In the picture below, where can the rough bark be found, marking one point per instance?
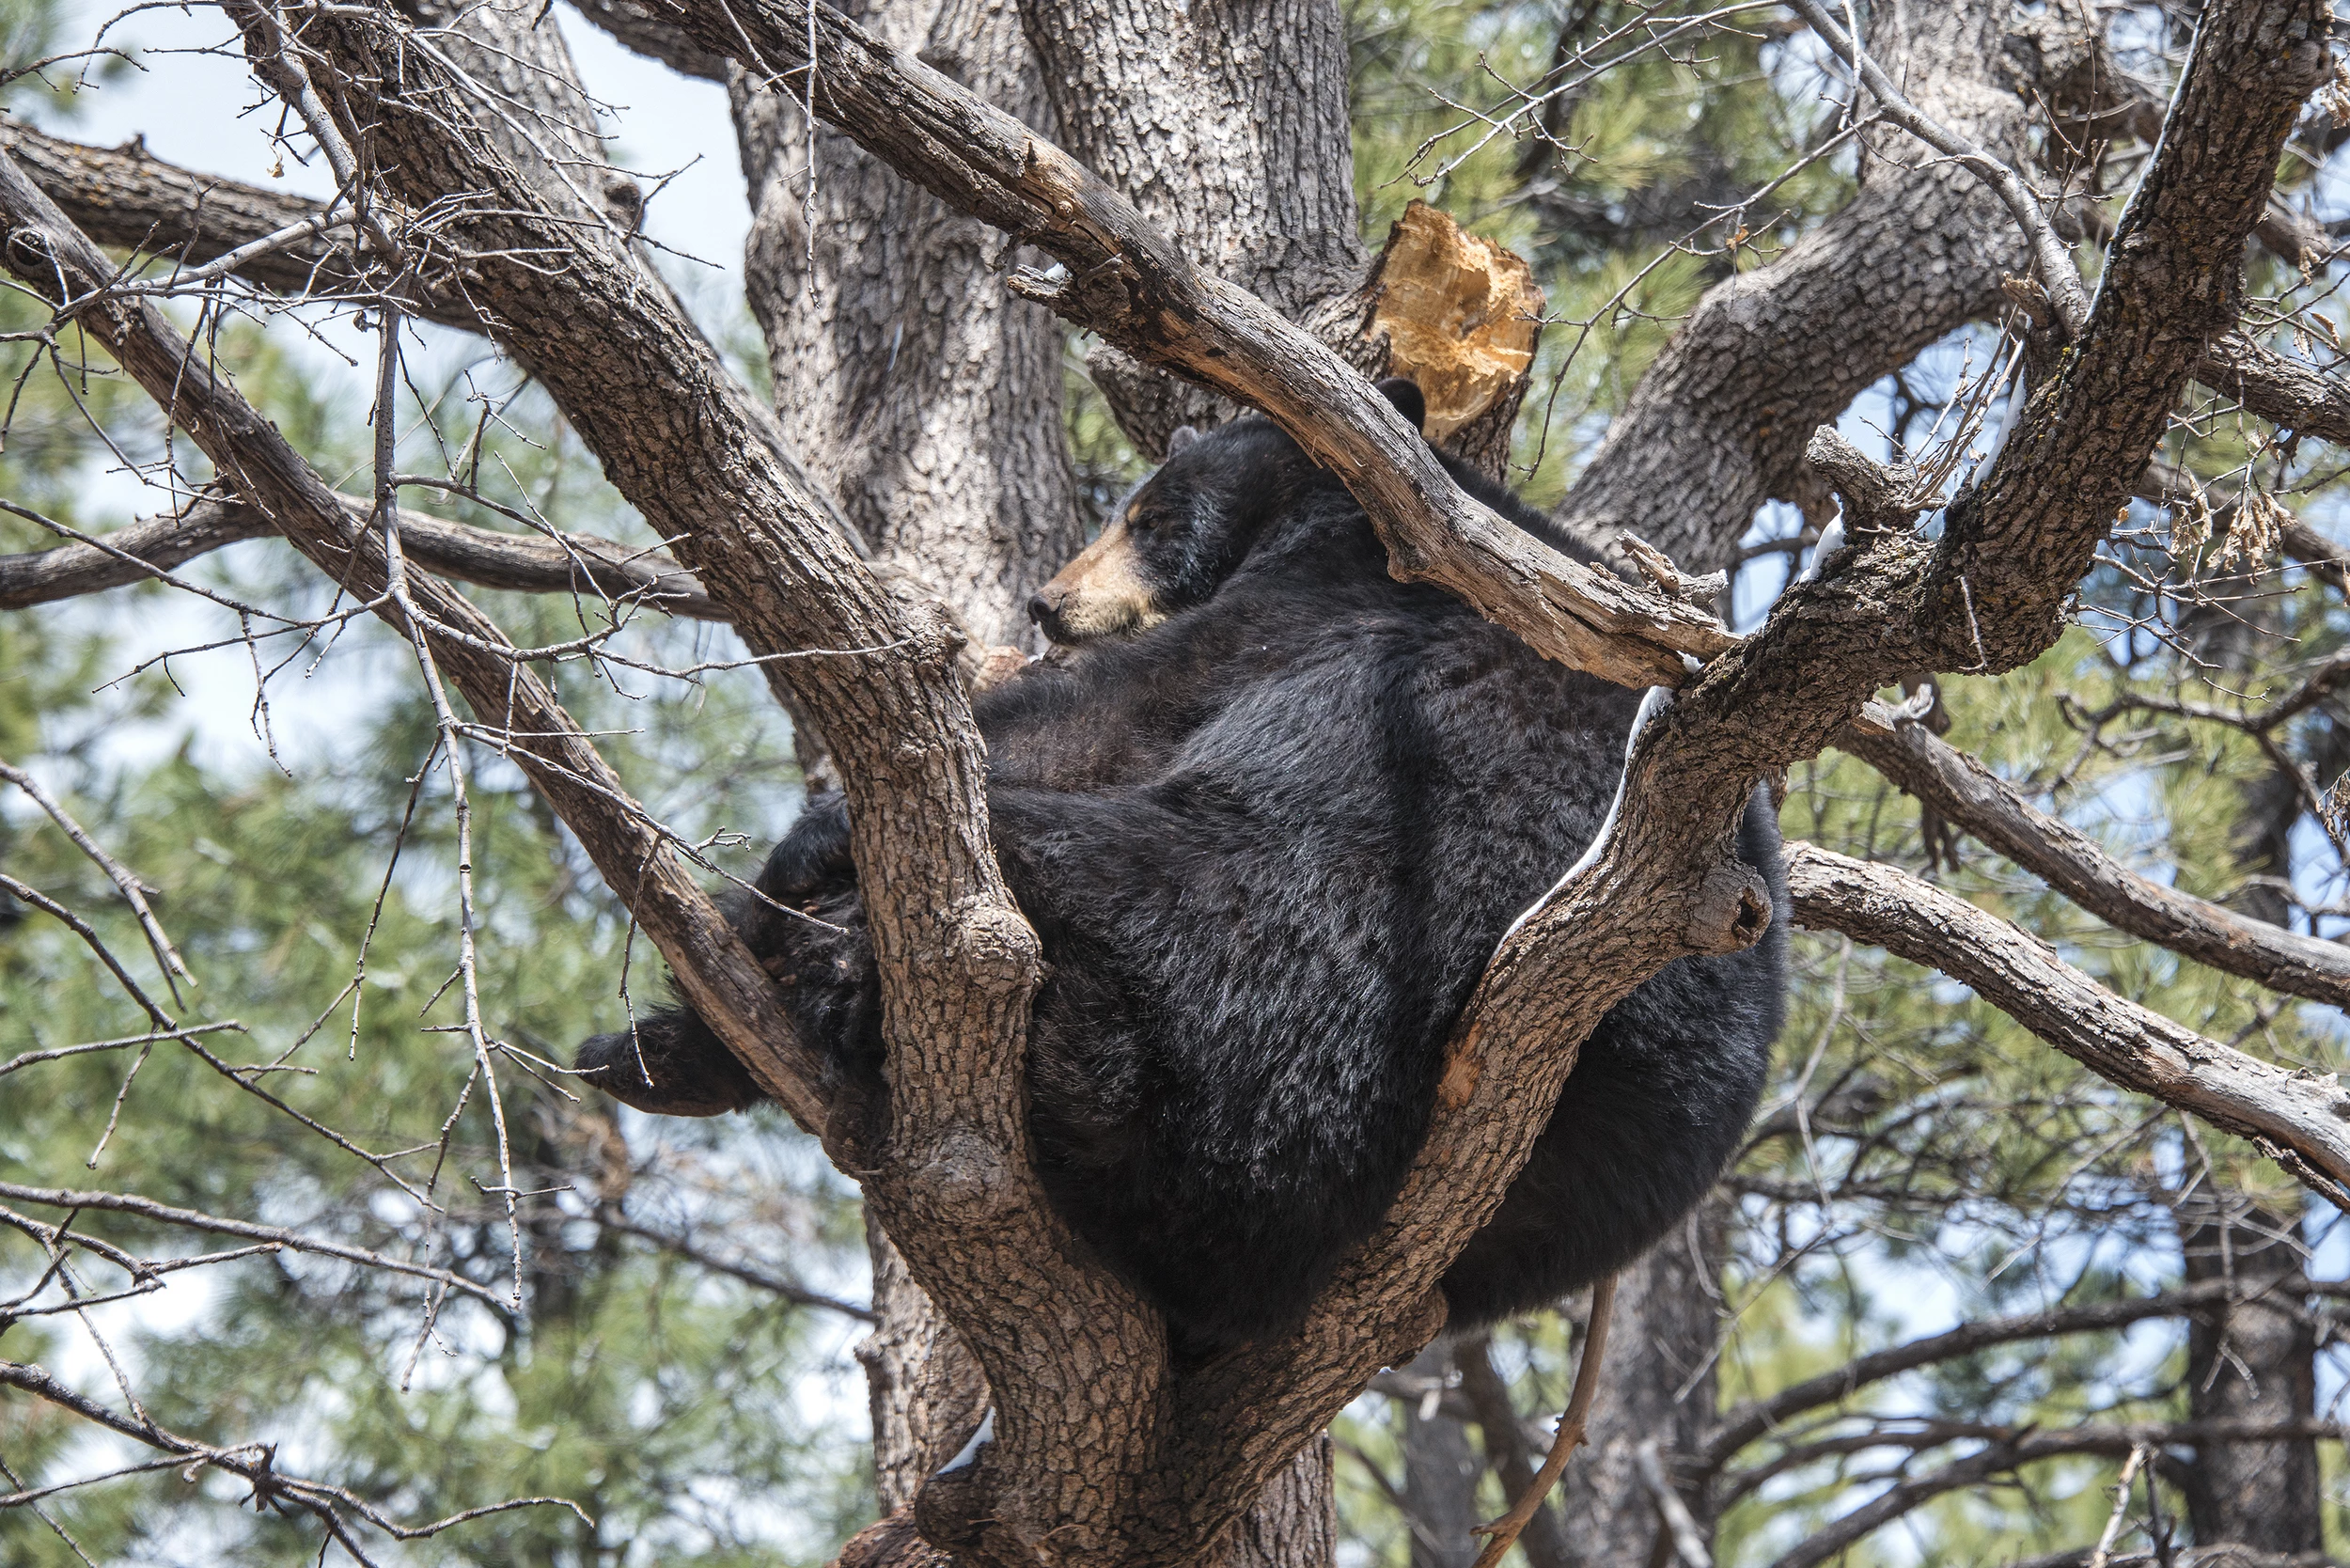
(1095, 1456)
(926, 399)
(1717, 424)
(1225, 123)
(2251, 1359)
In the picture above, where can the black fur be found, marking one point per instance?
(1269, 844)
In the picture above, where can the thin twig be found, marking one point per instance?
(1504, 1532)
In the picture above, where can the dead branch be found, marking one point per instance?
(2301, 1121)
(1484, 1398)
(256, 1462)
(2011, 1452)
(2052, 259)
(2287, 392)
(127, 199)
(687, 1248)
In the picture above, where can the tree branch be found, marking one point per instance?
(2300, 1120)
(1123, 277)
(2285, 391)
(2009, 1452)
(276, 1236)
(131, 200)
(1964, 791)
(615, 573)
(1755, 1417)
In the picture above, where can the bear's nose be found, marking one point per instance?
(1039, 609)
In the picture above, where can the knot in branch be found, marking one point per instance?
(1731, 912)
(1874, 497)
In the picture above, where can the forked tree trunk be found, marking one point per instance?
(930, 399)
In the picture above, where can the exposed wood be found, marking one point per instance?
(1461, 315)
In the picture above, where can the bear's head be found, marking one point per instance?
(1181, 532)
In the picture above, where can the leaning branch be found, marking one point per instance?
(1963, 790)
(1123, 277)
(2300, 1120)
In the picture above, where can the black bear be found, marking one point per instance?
(1270, 817)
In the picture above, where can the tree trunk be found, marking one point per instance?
(1656, 1383)
(2254, 1361)
(930, 401)
(1440, 1473)
(922, 393)
(1717, 424)
(1226, 122)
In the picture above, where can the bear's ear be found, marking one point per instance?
(1179, 438)
(1400, 391)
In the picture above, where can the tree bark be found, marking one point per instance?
(1717, 424)
(911, 383)
(1224, 122)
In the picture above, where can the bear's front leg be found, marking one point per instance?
(671, 1065)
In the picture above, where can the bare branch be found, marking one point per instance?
(1503, 1532)
(276, 1236)
(2006, 1452)
(726, 983)
(127, 199)
(1751, 1420)
(684, 1247)
(616, 575)
(1962, 789)
(256, 1462)
(2285, 391)
(2301, 1121)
